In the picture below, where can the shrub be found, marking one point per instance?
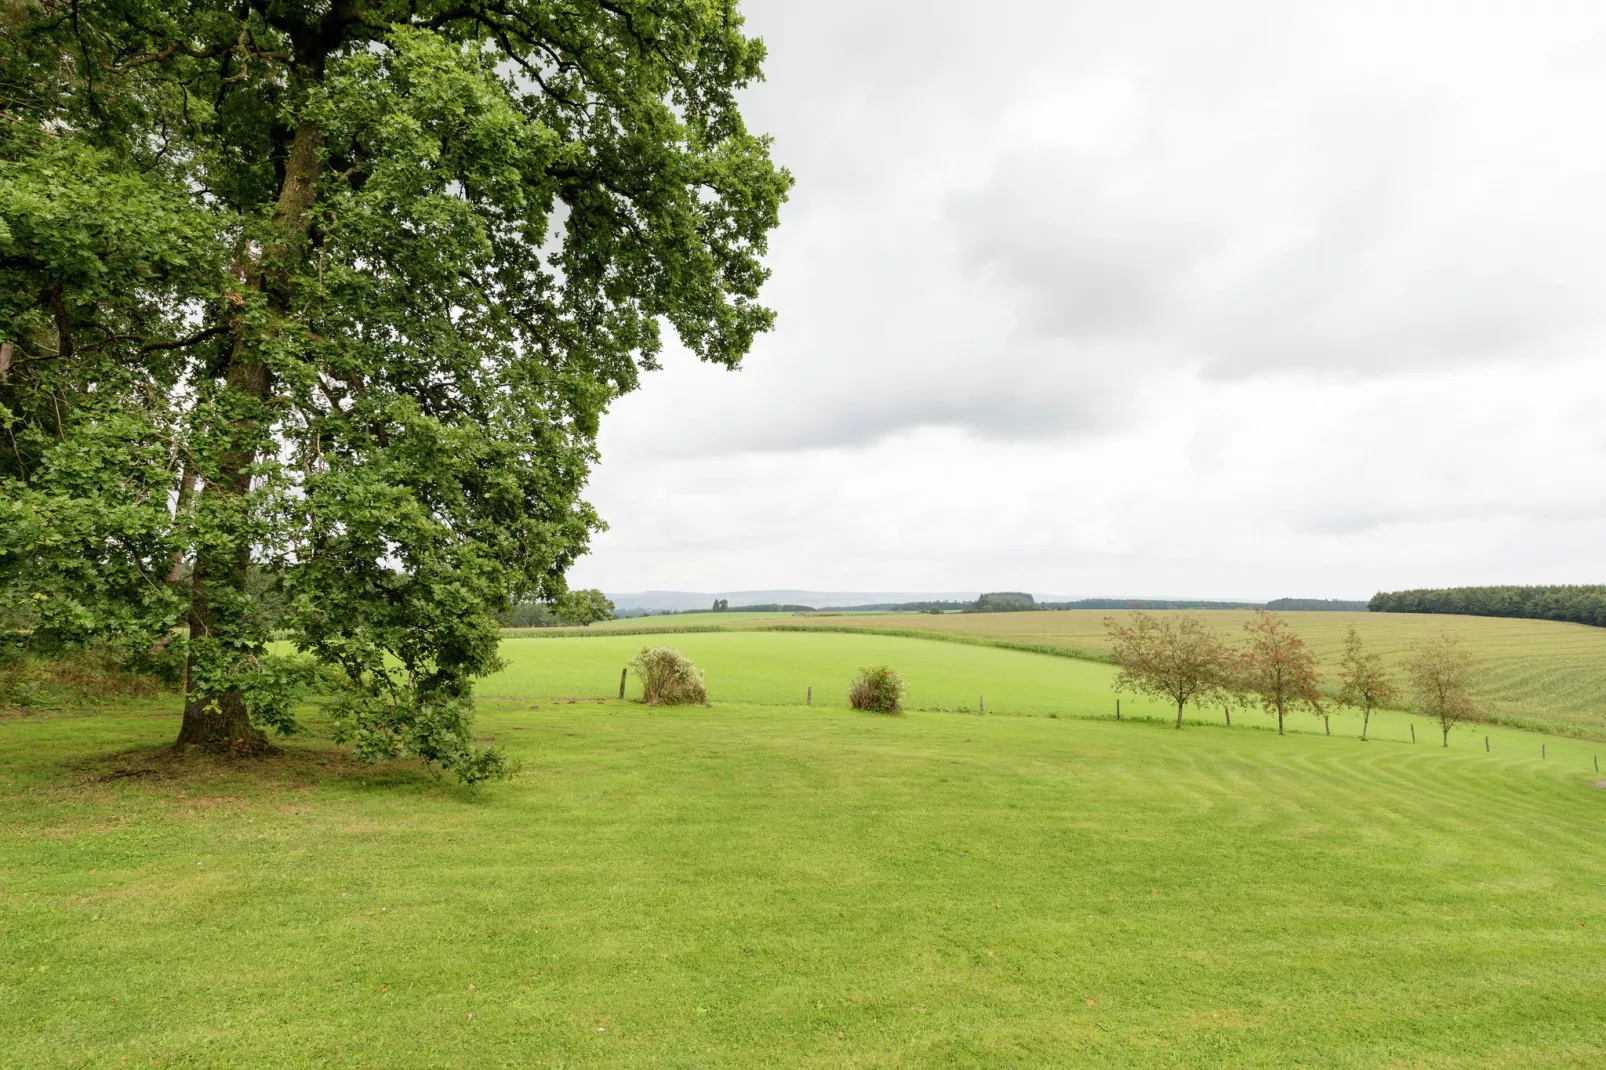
(878, 689)
(668, 677)
(75, 676)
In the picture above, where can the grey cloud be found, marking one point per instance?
(1364, 285)
(1087, 265)
(1252, 299)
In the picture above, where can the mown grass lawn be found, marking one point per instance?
(748, 885)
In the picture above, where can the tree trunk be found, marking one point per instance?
(214, 722)
(1179, 714)
(221, 724)
(1366, 719)
(1446, 729)
(221, 721)
(1279, 718)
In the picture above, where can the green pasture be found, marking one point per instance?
(778, 668)
(1545, 675)
(758, 885)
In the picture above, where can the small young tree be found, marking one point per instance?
(1441, 677)
(1175, 658)
(878, 689)
(1363, 683)
(1278, 669)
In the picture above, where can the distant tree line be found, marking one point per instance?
(767, 607)
(1581, 604)
(1004, 602)
(937, 606)
(1018, 601)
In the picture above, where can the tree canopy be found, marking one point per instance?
(1440, 671)
(1277, 668)
(1580, 604)
(329, 299)
(1175, 658)
(1364, 682)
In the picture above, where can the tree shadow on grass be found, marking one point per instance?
(296, 764)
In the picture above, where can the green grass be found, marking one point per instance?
(1544, 675)
(749, 885)
(778, 668)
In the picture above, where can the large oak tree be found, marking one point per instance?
(326, 298)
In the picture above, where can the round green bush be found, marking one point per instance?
(877, 689)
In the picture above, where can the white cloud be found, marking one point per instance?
(1235, 300)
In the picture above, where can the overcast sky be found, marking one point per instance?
(1141, 298)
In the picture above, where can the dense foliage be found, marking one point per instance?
(336, 294)
(668, 677)
(1582, 604)
(1178, 659)
(583, 607)
(580, 607)
(877, 689)
(1002, 602)
(1277, 669)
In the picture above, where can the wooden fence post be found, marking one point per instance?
(623, 673)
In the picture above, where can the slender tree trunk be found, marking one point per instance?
(1446, 729)
(1280, 718)
(221, 721)
(1366, 719)
(1179, 713)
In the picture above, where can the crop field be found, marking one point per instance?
(749, 884)
(1545, 675)
(670, 620)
